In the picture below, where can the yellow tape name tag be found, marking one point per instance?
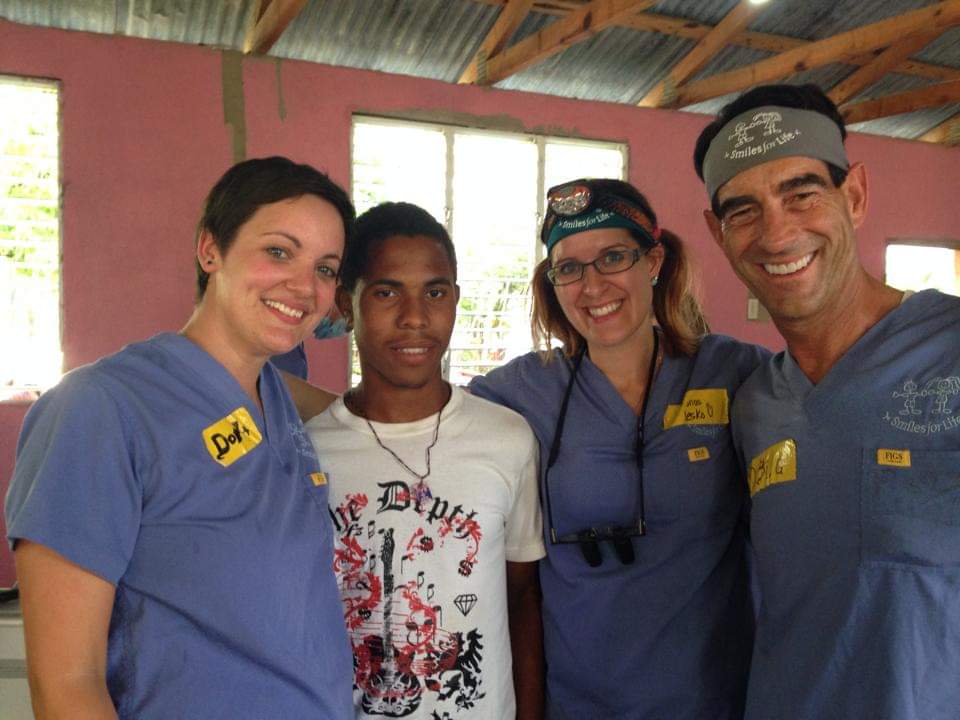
(896, 458)
(707, 406)
(698, 454)
(318, 479)
(231, 438)
(776, 464)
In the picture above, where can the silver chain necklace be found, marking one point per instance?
(420, 491)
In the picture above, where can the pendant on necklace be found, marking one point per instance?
(421, 492)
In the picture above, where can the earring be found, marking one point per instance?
(654, 281)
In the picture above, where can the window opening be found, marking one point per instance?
(487, 188)
(29, 237)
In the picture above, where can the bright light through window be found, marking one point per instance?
(29, 238)
(400, 163)
(570, 160)
(918, 267)
(494, 220)
(486, 188)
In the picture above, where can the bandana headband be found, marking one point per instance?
(594, 220)
(767, 133)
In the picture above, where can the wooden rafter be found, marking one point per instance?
(665, 91)
(578, 25)
(833, 49)
(931, 96)
(267, 22)
(947, 132)
(651, 22)
(768, 42)
(547, 7)
(513, 13)
(884, 62)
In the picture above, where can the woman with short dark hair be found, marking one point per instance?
(167, 512)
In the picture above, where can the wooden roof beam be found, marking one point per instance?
(547, 7)
(886, 61)
(768, 42)
(946, 133)
(509, 19)
(578, 25)
(268, 20)
(651, 22)
(920, 99)
(665, 91)
(837, 48)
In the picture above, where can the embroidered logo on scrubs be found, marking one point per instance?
(896, 458)
(701, 410)
(318, 479)
(776, 464)
(300, 439)
(698, 454)
(231, 438)
(924, 408)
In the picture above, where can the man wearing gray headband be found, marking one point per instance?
(850, 438)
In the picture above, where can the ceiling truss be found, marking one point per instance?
(875, 49)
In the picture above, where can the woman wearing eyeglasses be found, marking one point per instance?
(647, 609)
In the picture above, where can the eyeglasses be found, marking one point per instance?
(589, 541)
(621, 537)
(579, 196)
(610, 263)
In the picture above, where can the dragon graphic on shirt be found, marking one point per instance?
(402, 652)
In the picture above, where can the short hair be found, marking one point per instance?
(802, 97)
(251, 184)
(385, 221)
(675, 305)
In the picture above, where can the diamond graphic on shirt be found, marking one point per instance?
(465, 603)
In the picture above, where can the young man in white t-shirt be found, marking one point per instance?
(433, 495)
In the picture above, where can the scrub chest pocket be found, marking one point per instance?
(910, 507)
(707, 480)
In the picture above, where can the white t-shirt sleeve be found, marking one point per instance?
(524, 532)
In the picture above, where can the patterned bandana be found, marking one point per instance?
(593, 220)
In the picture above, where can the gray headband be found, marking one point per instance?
(769, 133)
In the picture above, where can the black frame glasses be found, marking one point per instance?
(589, 539)
(558, 280)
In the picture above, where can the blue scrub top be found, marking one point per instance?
(856, 524)
(670, 635)
(145, 468)
(293, 362)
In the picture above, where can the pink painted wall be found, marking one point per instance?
(144, 138)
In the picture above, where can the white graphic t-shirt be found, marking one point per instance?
(423, 583)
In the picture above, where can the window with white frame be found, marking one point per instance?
(487, 188)
(913, 264)
(29, 237)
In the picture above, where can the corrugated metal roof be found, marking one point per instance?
(945, 50)
(425, 38)
(437, 39)
(818, 20)
(709, 13)
(613, 66)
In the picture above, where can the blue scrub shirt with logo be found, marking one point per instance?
(154, 470)
(670, 635)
